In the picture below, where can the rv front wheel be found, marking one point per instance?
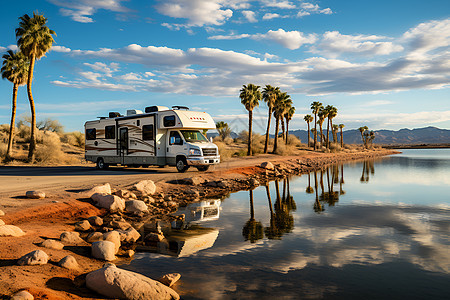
(101, 164)
(181, 165)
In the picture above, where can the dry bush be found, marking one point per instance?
(294, 141)
(224, 152)
(334, 147)
(3, 148)
(49, 150)
(4, 133)
(75, 138)
(228, 140)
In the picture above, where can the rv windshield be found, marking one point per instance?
(194, 136)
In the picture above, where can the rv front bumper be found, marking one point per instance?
(202, 161)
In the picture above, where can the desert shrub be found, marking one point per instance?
(294, 141)
(335, 147)
(224, 152)
(75, 138)
(228, 140)
(3, 148)
(49, 150)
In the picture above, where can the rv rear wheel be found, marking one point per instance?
(182, 165)
(203, 168)
(101, 164)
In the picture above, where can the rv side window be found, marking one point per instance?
(110, 132)
(147, 132)
(169, 121)
(91, 134)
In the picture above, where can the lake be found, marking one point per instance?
(376, 229)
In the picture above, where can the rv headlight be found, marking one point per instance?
(194, 152)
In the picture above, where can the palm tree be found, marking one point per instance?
(253, 230)
(315, 107)
(282, 102)
(362, 129)
(223, 129)
(15, 69)
(288, 116)
(269, 95)
(322, 116)
(250, 96)
(308, 119)
(342, 137)
(332, 113)
(334, 130)
(34, 40)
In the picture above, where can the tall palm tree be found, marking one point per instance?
(332, 113)
(282, 102)
(334, 130)
(322, 116)
(315, 107)
(308, 119)
(15, 69)
(342, 137)
(34, 40)
(288, 116)
(269, 95)
(362, 129)
(250, 96)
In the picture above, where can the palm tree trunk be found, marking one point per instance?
(342, 141)
(282, 127)
(250, 117)
(13, 120)
(309, 134)
(32, 147)
(287, 131)
(321, 135)
(328, 134)
(269, 199)
(266, 144)
(277, 127)
(252, 210)
(315, 130)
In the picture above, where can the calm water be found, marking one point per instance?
(368, 230)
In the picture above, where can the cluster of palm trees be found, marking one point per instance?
(367, 136)
(34, 39)
(280, 106)
(322, 113)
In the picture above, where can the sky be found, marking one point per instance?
(384, 64)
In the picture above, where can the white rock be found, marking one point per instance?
(126, 194)
(136, 206)
(70, 237)
(69, 262)
(110, 202)
(2, 213)
(267, 165)
(52, 244)
(2, 222)
(37, 257)
(102, 189)
(94, 237)
(83, 225)
(129, 236)
(35, 195)
(104, 250)
(22, 295)
(95, 221)
(114, 237)
(118, 283)
(146, 187)
(11, 230)
(170, 279)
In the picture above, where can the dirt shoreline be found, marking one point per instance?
(49, 218)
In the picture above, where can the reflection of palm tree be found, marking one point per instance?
(317, 206)
(283, 219)
(341, 182)
(331, 196)
(272, 231)
(309, 189)
(252, 230)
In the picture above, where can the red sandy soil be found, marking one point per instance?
(48, 218)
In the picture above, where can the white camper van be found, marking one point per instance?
(160, 136)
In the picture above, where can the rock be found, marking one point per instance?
(37, 257)
(172, 204)
(83, 225)
(211, 184)
(113, 282)
(136, 206)
(154, 237)
(122, 225)
(267, 165)
(22, 295)
(101, 189)
(35, 195)
(145, 187)
(104, 250)
(253, 182)
(69, 262)
(126, 194)
(1, 213)
(129, 253)
(95, 221)
(2, 222)
(70, 237)
(94, 237)
(193, 181)
(129, 236)
(52, 244)
(193, 192)
(110, 202)
(11, 230)
(114, 237)
(169, 279)
(221, 184)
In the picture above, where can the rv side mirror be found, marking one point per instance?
(172, 140)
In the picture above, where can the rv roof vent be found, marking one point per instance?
(114, 114)
(131, 112)
(180, 107)
(150, 109)
(101, 118)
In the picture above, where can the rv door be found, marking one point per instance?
(123, 144)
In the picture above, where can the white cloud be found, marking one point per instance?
(230, 37)
(428, 36)
(278, 4)
(250, 16)
(270, 16)
(309, 8)
(289, 39)
(61, 49)
(82, 10)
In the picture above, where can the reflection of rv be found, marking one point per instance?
(160, 136)
(187, 242)
(200, 211)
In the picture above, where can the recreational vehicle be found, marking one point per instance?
(159, 136)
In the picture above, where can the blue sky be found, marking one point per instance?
(384, 64)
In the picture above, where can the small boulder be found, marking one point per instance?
(253, 182)
(35, 195)
(267, 165)
(110, 202)
(122, 225)
(94, 237)
(129, 253)
(83, 225)
(114, 237)
(37, 257)
(22, 295)
(102, 189)
(68, 262)
(2, 222)
(2, 213)
(126, 194)
(95, 221)
(136, 206)
(129, 236)
(11, 230)
(169, 279)
(145, 187)
(193, 180)
(104, 250)
(211, 184)
(70, 237)
(52, 244)
(154, 237)
(113, 282)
